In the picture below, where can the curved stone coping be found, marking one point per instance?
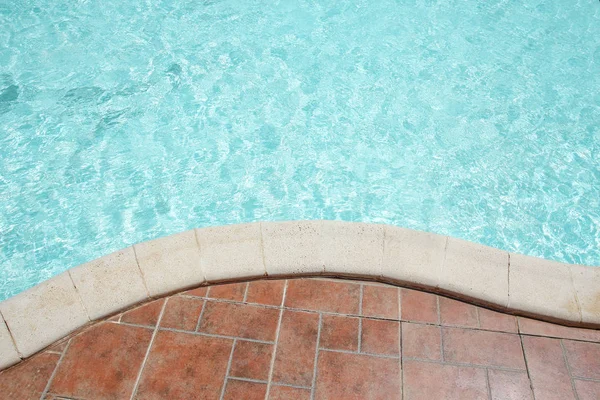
(513, 283)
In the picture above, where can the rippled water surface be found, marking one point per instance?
(122, 121)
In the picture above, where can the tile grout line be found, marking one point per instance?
(151, 327)
(459, 364)
(515, 324)
(316, 359)
(272, 366)
(228, 301)
(263, 382)
(226, 378)
(360, 300)
(216, 336)
(139, 376)
(246, 293)
(399, 303)
(401, 352)
(360, 311)
(49, 383)
(566, 359)
(442, 343)
(560, 338)
(582, 378)
(212, 335)
(307, 310)
(375, 355)
(292, 386)
(359, 335)
(237, 378)
(487, 383)
(285, 286)
(201, 314)
(439, 316)
(526, 364)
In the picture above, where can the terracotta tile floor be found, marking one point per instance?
(313, 339)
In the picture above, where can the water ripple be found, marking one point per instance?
(125, 121)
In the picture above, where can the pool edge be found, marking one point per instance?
(507, 282)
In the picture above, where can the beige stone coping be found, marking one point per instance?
(512, 283)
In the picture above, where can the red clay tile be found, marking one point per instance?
(428, 381)
(322, 295)
(182, 313)
(241, 320)
(583, 358)
(547, 369)
(266, 292)
(51, 396)
(184, 366)
(457, 313)
(287, 393)
(380, 302)
(339, 333)
(231, 291)
(421, 341)
(251, 360)
(495, 321)
(146, 314)
(295, 354)
(198, 292)
(237, 390)
(28, 379)
(357, 376)
(418, 306)
(539, 328)
(380, 337)
(509, 385)
(102, 363)
(587, 390)
(493, 349)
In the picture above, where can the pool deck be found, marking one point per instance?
(312, 339)
(483, 278)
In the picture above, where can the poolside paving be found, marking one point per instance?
(313, 339)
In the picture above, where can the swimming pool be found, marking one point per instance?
(125, 121)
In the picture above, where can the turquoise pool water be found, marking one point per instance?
(122, 121)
